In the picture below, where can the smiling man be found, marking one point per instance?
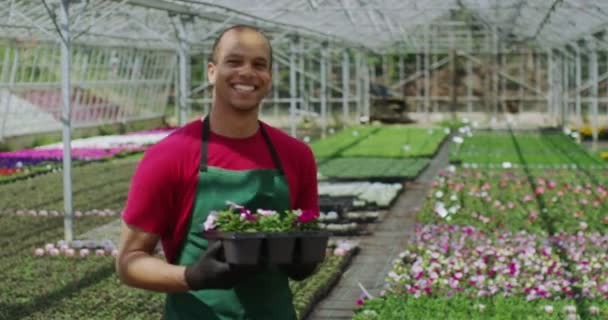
(230, 155)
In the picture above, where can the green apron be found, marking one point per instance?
(263, 296)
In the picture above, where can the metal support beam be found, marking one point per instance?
(359, 83)
(66, 115)
(323, 91)
(593, 75)
(469, 76)
(302, 79)
(427, 73)
(366, 85)
(345, 87)
(183, 52)
(550, 84)
(495, 71)
(566, 84)
(578, 80)
(292, 86)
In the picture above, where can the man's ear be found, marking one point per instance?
(211, 73)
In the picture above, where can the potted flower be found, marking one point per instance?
(252, 236)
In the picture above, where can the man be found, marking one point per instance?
(230, 155)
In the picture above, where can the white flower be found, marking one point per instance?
(446, 130)
(441, 211)
(266, 212)
(307, 139)
(594, 310)
(507, 165)
(438, 194)
(210, 222)
(567, 131)
(458, 140)
(233, 205)
(453, 197)
(406, 148)
(570, 308)
(453, 209)
(548, 308)
(331, 131)
(452, 168)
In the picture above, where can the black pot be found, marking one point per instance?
(239, 248)
(312, 246)
(279, 247)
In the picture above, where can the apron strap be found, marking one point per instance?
(273, 151)
(205, 146)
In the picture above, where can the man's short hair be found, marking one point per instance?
(238, 27)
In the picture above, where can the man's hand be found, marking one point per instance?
(212, 272)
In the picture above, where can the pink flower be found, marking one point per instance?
(307, 216)
(100, 252)
(548, 309)
(246, 215)
(54, 252)
(341, 252)
(39, 252)
(48, 247)
(539, 190)
(84, 252)
(70, 252)
(114, 253)
(528, 198)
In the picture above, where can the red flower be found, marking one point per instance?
(308, 216)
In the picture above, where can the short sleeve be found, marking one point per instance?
(151, 194)
(308, 195)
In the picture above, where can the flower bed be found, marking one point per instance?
(98, 185)
(517, 199)
(368, 194)
(457, 269)
(486, 148)
(85, 285)
(381, 141)
(372, 169)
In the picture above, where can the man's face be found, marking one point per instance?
(241, 75)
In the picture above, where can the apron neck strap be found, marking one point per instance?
(205, 146)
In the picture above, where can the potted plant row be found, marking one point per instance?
(267, 236)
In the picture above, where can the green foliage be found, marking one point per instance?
(496, 308)
(381, 141)
(43, 140)
(365, 168)
(522, 148)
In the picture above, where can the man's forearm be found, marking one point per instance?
(141, 270)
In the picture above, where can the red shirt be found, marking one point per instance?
(163, 187)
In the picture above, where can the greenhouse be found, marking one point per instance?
(458, 159)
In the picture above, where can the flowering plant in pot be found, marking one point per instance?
(237, 218)
(275, 236)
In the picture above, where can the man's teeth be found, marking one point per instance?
(241, 87)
